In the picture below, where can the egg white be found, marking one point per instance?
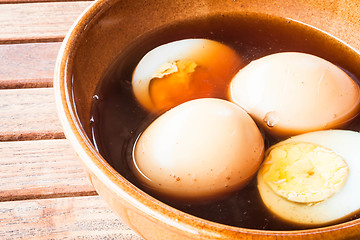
(196, 50)
(275, 88)
(201, 149)
(154, 59)
(343, 203)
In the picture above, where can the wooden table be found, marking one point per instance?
(44, 192)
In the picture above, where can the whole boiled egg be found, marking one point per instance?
(201, 149)
(291, 93)
(312, 178)
(184, 70)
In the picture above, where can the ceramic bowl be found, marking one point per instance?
(93, 42)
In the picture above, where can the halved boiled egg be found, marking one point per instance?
(291, 93)
(312, 178)
(184, 70)
(200, 150)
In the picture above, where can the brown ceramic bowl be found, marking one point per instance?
(109, 26)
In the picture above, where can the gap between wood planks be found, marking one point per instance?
(52, 196)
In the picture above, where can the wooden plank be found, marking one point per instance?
(41, 169)
(27, 65)
(34, 1)
(62, 218)
(28, 114)
(24, 23)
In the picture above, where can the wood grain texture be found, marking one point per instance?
(38, 22)
(27, 65)
(34, 1)
(62, 218)
(28, 114)
(41, 169)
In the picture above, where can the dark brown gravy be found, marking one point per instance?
(117, 119)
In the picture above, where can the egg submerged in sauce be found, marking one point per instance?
(202, 149)
(119, 118)
(290, 93)
(183, 70)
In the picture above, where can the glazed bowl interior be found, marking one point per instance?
(105, 30)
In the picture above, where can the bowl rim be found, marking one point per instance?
(102, 170)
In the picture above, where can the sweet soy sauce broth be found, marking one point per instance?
(117, 119)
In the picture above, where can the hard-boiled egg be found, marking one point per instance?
(201, 149)
(291, 93)
(183, 70)
(312, 178)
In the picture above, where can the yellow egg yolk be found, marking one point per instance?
(304, 172)
(179, 81)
